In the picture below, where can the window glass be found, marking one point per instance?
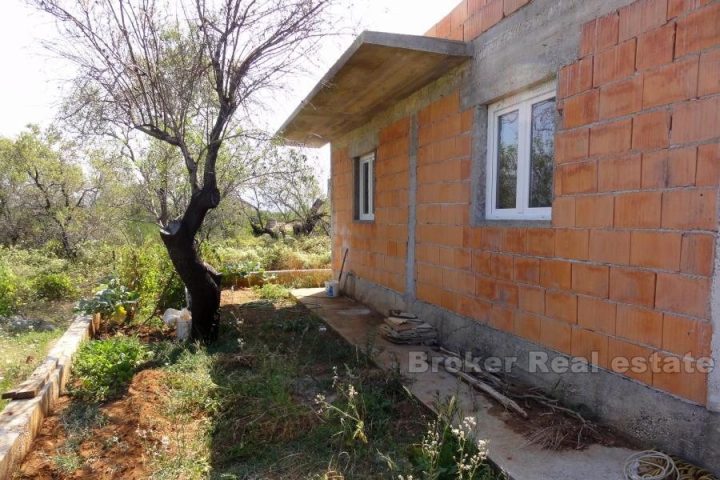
(542, 152)
(507, 160)
(365, 187)
(520, 159)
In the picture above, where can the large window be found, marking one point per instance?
(365, 175)
(521, 147)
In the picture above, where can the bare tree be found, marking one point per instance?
(291, 194)
(170, 75)
(63, 192)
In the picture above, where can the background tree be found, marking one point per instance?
(288, 196)
(170, 76)
(49, 189)
(16, 218)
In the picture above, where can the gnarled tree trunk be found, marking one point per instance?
(201, 280)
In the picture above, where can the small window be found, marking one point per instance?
(521, 151)
(365, 201)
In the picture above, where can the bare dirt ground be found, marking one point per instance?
(117, 448)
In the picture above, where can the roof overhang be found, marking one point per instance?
(378, 70)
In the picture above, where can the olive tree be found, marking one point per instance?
(172, 69)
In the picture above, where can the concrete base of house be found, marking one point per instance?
(650, 417)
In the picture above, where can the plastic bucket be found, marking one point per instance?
(332, 288)
(182, 328)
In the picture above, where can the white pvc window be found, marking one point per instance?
(521, 151)
(365, 201)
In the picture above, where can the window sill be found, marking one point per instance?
(512, 223)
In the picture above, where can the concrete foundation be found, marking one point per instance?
(652, 418)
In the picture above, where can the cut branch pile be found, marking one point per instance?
(544, 422)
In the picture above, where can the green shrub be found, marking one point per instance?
(9, 300)
(241, 269)
(53, 286)
(272, 291)
(103, 368)
(36, 274)
(263, 253)
(147, 270)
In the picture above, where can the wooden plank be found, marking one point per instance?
(78, 331)
(35, 382)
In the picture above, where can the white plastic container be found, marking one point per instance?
(332, 288)
(181, 319)
(183, 325)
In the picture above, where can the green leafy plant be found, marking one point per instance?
(53, 286)
(114, 298)
(103, 368)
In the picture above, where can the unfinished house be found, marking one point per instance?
(542, 176)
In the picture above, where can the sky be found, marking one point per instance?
(33, 80)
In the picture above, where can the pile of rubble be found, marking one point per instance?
(406, 328)
(18, 324)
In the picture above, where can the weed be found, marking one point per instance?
(103, 368)
(272, 291)
(79, 419)
(449, 452)
(349, 410)
(67, 461)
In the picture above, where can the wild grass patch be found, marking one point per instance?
(20, 353)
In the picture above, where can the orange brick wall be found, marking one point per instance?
(470, 18)
(636, 184)
(443, 196)
(625, 268)
(377, 250)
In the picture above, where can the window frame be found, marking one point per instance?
(523, 103)
(368, 159)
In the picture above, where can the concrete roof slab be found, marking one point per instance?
(377, 70)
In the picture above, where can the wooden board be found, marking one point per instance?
(35, 382)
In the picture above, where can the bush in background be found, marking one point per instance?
(9, 300)
(147, 270)
(264, 254)
(54, 286)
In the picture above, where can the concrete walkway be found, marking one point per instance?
(509, 450)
